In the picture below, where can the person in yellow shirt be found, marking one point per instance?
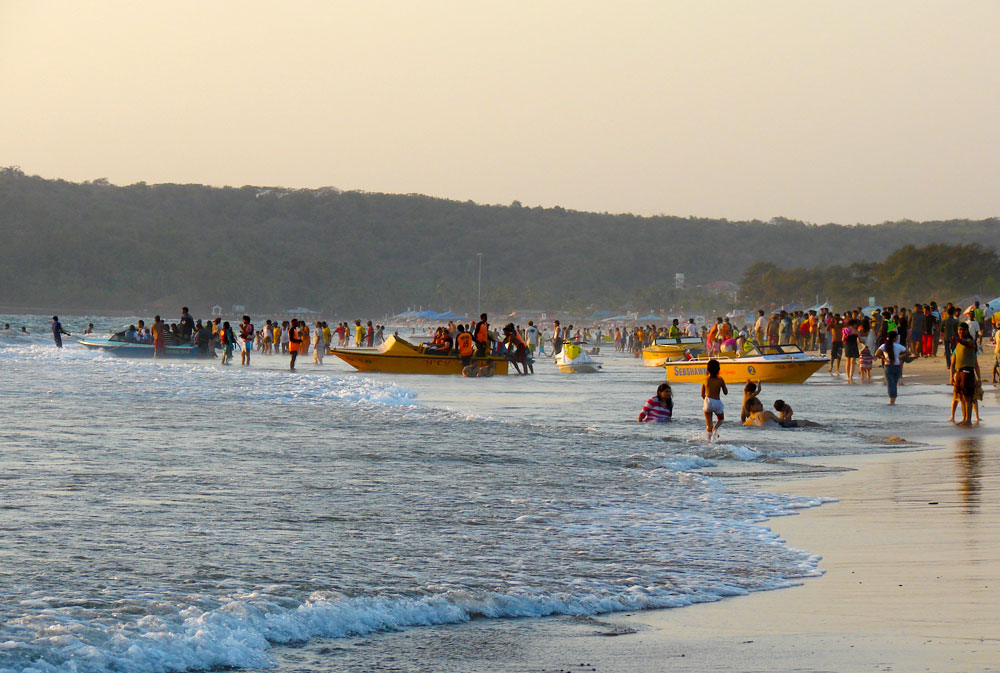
(359, 333)
(276, 337)
(327, 335)
(304, 335)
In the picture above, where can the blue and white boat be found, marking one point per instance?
(117, 344)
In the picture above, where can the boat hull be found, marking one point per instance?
(583, 368)
(124, 349)
(659, 353)
(397, 356)
(657, 356)
(736, 370)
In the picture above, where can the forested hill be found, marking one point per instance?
(99, 245)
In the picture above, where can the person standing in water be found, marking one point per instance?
(227, 338)
(557, 338)
(319, 344)
(159, 332)
(58, 331)
(892, 355)
(481, 335)
(247, 333)
(965, 373)
(293, 343)
(710, 390)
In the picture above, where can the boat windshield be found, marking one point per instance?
(677, 341)
(783, 349)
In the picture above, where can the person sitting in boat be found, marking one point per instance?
(658, 409)
(132, 334)
(741, 341)
(785, 416)
(142, 334)
(728, 346)
(441, 344)
(203, 338)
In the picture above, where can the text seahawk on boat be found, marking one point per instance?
(774, 364)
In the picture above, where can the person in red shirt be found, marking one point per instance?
(247, 333)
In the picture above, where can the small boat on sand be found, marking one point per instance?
(116, 344)
(398, 356)
(572, 360)
(666, 349)
(773, 364)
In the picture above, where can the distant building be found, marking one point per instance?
(216, 310)
(679, 282)
(238, 308)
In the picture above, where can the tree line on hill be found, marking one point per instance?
(910, 274)
(345, 253)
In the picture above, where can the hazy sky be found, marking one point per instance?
(822, 111)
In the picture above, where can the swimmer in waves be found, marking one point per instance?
(761, 418)
(482, 369)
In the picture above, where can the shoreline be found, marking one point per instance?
(910, 551)
(908, 585)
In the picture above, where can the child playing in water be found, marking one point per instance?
(757, 416)
(785, 416)
(710, 390)
(866, 365)
(658, 409)
(750, 391)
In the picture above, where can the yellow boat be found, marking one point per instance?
(773, 364)
(398, 356)
(666, 349)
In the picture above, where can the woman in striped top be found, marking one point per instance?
(660, 408)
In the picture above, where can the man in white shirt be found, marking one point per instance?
(974, 329)
(691, 329)
(531, 336)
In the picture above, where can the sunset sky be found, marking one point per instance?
(822, 111)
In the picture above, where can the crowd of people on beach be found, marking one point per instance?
(853, 340)
(893, 335)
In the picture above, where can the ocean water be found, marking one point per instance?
(167, 516)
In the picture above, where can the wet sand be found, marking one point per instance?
(912, 559)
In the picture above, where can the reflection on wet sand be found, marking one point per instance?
(969, 463)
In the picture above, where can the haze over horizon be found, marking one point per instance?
(823, 112)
